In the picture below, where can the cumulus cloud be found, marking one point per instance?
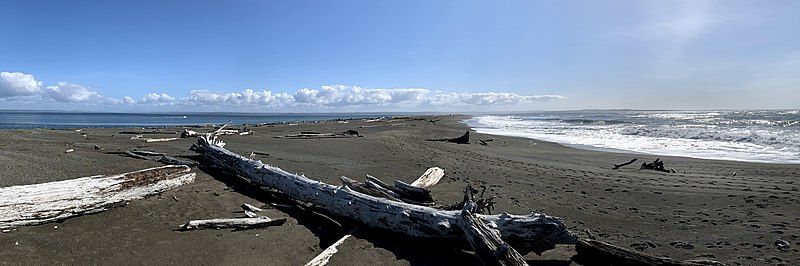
(489, 98)
(246, 97)
(340, 95)
(18, 84)
(128, 100)
(15, 86)
(68, 92)
(157, 98)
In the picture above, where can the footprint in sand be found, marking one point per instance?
(681, 245)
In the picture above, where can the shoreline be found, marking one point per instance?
(726, 217)
(487, 129)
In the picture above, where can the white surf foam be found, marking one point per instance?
(702, 140)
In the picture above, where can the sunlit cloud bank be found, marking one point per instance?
(24, 87)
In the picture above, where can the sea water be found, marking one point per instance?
(755, 135)
(56, 119)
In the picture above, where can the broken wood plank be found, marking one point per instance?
(533, 232)
(485, 241)
(235, 223)
(590, 250)
(55, 201)
(617, 166)
(430, 178)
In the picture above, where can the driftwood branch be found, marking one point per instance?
(485, 241)
(534, 232)
(54, 201)
(235, 223)
(317, 135)
(617, 166)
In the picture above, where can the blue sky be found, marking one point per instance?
(398, 55)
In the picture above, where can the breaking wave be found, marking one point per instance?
(761, 136)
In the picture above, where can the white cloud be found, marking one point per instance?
(340, 95)
(246, 97)
(348, 97)
(18, 84)
(489, 98)
(67, 92)
(157, 98)
(128, 100)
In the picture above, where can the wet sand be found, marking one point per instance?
(702, 211)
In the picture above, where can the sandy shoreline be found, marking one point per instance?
(706, 211)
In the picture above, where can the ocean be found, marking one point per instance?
(56, 119)
(771, 136)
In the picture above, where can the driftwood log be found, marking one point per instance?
(617, 166)
(533, 232)
(55, 201)
(595, 252)
(485, 241)
(235, 223)
(317, 135)
(464, 139)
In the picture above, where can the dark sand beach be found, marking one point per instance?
(702, 211)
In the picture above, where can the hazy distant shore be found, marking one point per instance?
(726, 210)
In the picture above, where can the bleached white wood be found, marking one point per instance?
(248, 207)
(161, 139)
(487, 243)
(325, 256)
(53, 201)
(533, 232)
(237, 223)
(429, 178)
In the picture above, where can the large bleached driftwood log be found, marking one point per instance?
(534, 232)
(53, 201)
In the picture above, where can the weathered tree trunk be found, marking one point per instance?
(236, 223)
(534, 232)
(54, 201)
(485, 241)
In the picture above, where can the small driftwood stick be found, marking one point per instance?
(146, 153)
(251, 208)
(236, 223)
(590, 250)
(616, 166)
(485, 241)
(161, 140)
